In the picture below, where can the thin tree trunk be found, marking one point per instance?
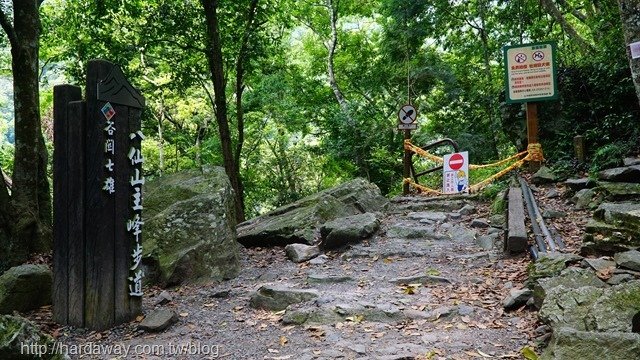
(240, 70)
(215, 62)
(161, 139)
(333, 44)
(6, 228)
(630, 17)
(30, 196)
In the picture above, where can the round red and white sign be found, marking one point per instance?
(456, 161)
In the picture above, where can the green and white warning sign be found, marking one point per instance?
(531, 72)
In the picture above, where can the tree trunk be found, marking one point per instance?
(215, 62)
(5, 223)
(30, 196)
(630, 16)
(240, 70)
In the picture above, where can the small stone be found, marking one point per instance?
(357, 348)
(583, 199)
(517, 298)
(465, 310)
(628, 260)
(618, 279)
(420, 279)
(300, 252)
(543, 329)
(630, 161)
(327, 279)
(599, 264)
(467, 210)
(158, 320)
(221, 294)
(480, 223)
(320, 260)
(579, 184)
(498, 220)
(455, 216)
(278, 297)
(164, 298)
(552, 194)
(543, 176)
(553, 214)
(486, 242)
(442, 312)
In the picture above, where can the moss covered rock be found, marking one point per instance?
(22, 340)
(25, 287)
(568, 343)
(190, 228)
(298, 222)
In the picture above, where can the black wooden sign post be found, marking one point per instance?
(97, 184)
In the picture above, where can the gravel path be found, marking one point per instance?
(427, 286)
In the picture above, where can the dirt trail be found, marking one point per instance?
(422, 288)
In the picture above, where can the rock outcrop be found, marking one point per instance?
(17, 335)
(300, 221)
(190, 228)
(24, 288)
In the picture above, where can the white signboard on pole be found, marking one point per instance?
(530, 72)
(455, 173)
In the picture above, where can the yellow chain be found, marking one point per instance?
(534, 153)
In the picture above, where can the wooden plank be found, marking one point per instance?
(77, 123)
(99, 210)
(62, 95)
(122, 215)
(517, 234)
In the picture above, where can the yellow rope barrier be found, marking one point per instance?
(534, 153)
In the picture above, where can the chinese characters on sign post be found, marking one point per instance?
(98, 202)
(455, 173)
(134, 225)
(531, 72)
(109, 148)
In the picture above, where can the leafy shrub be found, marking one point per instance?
(610, 155)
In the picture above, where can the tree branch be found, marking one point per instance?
(552, 10)
(8, 28)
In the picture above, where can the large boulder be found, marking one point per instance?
(570, 278)
(590, 308)
(342, 231)
(615, 309)
(22, 340)
(569, 343)
(298, 222)
(564, 307)
(190, 228)
(24, 288)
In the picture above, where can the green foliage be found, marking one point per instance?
(445, 57)
(610, 155)
(6, 158)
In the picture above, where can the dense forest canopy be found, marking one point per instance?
(293, 96)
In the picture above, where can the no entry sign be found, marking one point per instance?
(455, 176)
(456, 161)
